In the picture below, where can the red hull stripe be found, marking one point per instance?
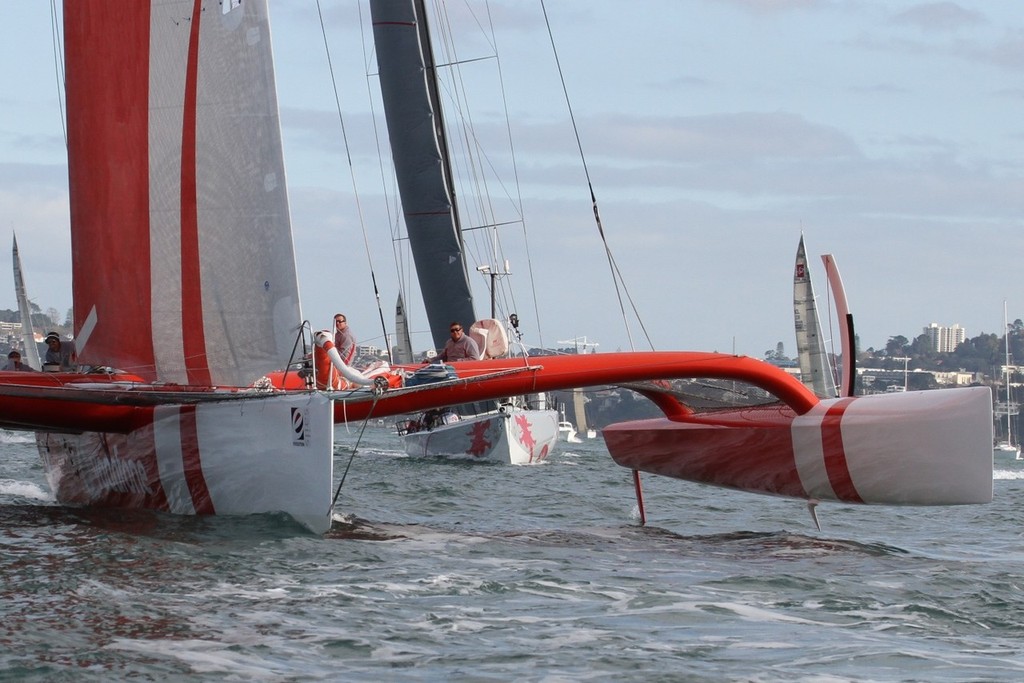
(191, 280)
(835, 455)
(192, 462)
(158, 497)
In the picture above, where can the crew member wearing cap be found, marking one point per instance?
(460, 347)
(60, 353)
(14, 362)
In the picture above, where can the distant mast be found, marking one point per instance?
(815, 368)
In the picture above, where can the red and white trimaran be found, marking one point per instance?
(186, 303)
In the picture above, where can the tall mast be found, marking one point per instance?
(412, 109)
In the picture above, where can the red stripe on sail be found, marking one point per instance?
(157, 499)
(192, 462)
(194, 337)
(835, 455)
(107, 47)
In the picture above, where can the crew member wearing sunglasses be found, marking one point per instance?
(460, 346)
(344, 340)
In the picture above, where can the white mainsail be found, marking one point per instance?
(815, 369)
(30, 356)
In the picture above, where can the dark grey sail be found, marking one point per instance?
(416, 131)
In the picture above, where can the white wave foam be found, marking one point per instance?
(15, 437)
(25, 489)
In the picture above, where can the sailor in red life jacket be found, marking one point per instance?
(460, 347)
(344, 340)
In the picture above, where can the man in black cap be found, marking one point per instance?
(14, 362)
(59, 353)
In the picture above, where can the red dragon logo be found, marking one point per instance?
(527, 440)
(479, 444)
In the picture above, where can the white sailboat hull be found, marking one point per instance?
(517, 437)
(261, 455)
(568, 432)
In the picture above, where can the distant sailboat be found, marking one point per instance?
(30, 354)
(815, 368)
(514, 432)
(1007, 449)
(403, 344)
(567, 431)
(579, 402)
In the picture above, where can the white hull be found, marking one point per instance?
(568, 432)
(1006, 452)
(255, 456)
(517, 437)
(913, 448)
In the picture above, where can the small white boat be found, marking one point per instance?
(1005, 452)
(567, 431)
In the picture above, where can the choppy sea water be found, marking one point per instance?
(458, 571)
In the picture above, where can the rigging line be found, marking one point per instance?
(515, 174)
(355, 449)
(57, 64)
(352, 175)
(616, 274)
(468, 163)
(300, 337)
(478, 162)
(402, 269)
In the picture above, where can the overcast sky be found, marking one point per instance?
(890, 133)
